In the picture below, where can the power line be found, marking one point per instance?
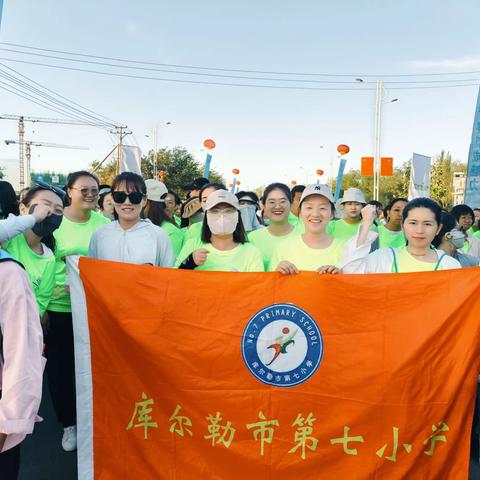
(236, 69)
(282, 87)
(110, 121)
(238, 77)
(59, 104)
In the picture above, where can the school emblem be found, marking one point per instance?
(282, 345)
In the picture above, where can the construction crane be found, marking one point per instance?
(25, 169)
(21, 119)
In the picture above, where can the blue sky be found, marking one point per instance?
(269, 134)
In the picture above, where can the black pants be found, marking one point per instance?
(10, 463)
(61, 366)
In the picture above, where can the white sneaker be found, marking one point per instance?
(69, 439)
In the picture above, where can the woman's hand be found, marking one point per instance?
(200, 256)
(369, 214)
(332, 269)
(286, 268)
(41, 212)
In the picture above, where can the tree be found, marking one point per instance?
(177, 162)
(441, 178)
(2, 173)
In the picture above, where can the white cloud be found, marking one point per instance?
(446, 63)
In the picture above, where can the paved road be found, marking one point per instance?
(44, 459)
(42, 455)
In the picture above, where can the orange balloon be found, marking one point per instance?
(230, 185)
(209, 144)
(293, 182)
(343, 149)
(238, 182)
(162, 173)
(235, 171)
(320, 172)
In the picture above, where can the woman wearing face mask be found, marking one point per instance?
(79, 222)
(316, 250)
(131, 239)
(390, 234)
(276, 202)
(450, 239)
(421, 223)
(155, 210)
(224, 245)
(248, 209)
(194, 231)
(34, 247)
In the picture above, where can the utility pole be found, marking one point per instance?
(122, 132)
(155, 148)
(21, 152)
(376, 161)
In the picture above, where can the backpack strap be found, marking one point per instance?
(395, 263)
(438, 262)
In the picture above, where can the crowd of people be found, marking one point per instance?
(143, 222)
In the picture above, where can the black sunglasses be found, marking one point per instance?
(46, 186)
(134, 197)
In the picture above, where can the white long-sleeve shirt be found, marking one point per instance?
(21, 362)
(13, 225)
(144, 243)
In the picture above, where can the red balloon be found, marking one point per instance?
(320, 172)
(209, 144)
(343, 149)
(238, 182)
(235, 171)
(230, 185)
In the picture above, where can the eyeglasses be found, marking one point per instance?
(222, 211)
(46, 186)
(134, 197)
(87, 191)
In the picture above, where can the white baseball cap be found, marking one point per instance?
(353, 195)
(156, 190)
(317, 189)
(221, 196)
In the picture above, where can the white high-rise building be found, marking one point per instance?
(459, 180)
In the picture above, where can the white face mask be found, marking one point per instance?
(222, 223)
(248, 213)
(457, 238)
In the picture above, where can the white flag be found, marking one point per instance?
(419, 177)
(130, 159)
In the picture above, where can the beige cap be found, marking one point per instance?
(317, 189)
(353, 195)
(221, 196)
(156, 190)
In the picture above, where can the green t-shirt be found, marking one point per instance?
(192, 232)
(243, 258)
(177, 220)
(473, 233)
(40, 269)
(176, 236)
(71, 238)
(408, 263)
(296, 251)
(387, 238)
(344, 231)
(267, 243)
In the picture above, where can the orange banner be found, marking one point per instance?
(226, 376)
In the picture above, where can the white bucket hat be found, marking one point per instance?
(221, 196)
(353, 195)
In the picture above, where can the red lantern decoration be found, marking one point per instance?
(235, 171)
(320, 172)
(209, 144)
(343, 149)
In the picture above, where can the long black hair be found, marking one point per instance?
(155, 212)
(8, 200)
(448, 224)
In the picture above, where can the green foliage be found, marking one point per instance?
(441, 178)
(177, 162)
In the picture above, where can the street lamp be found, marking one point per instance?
(155, 153)
(378, 118)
